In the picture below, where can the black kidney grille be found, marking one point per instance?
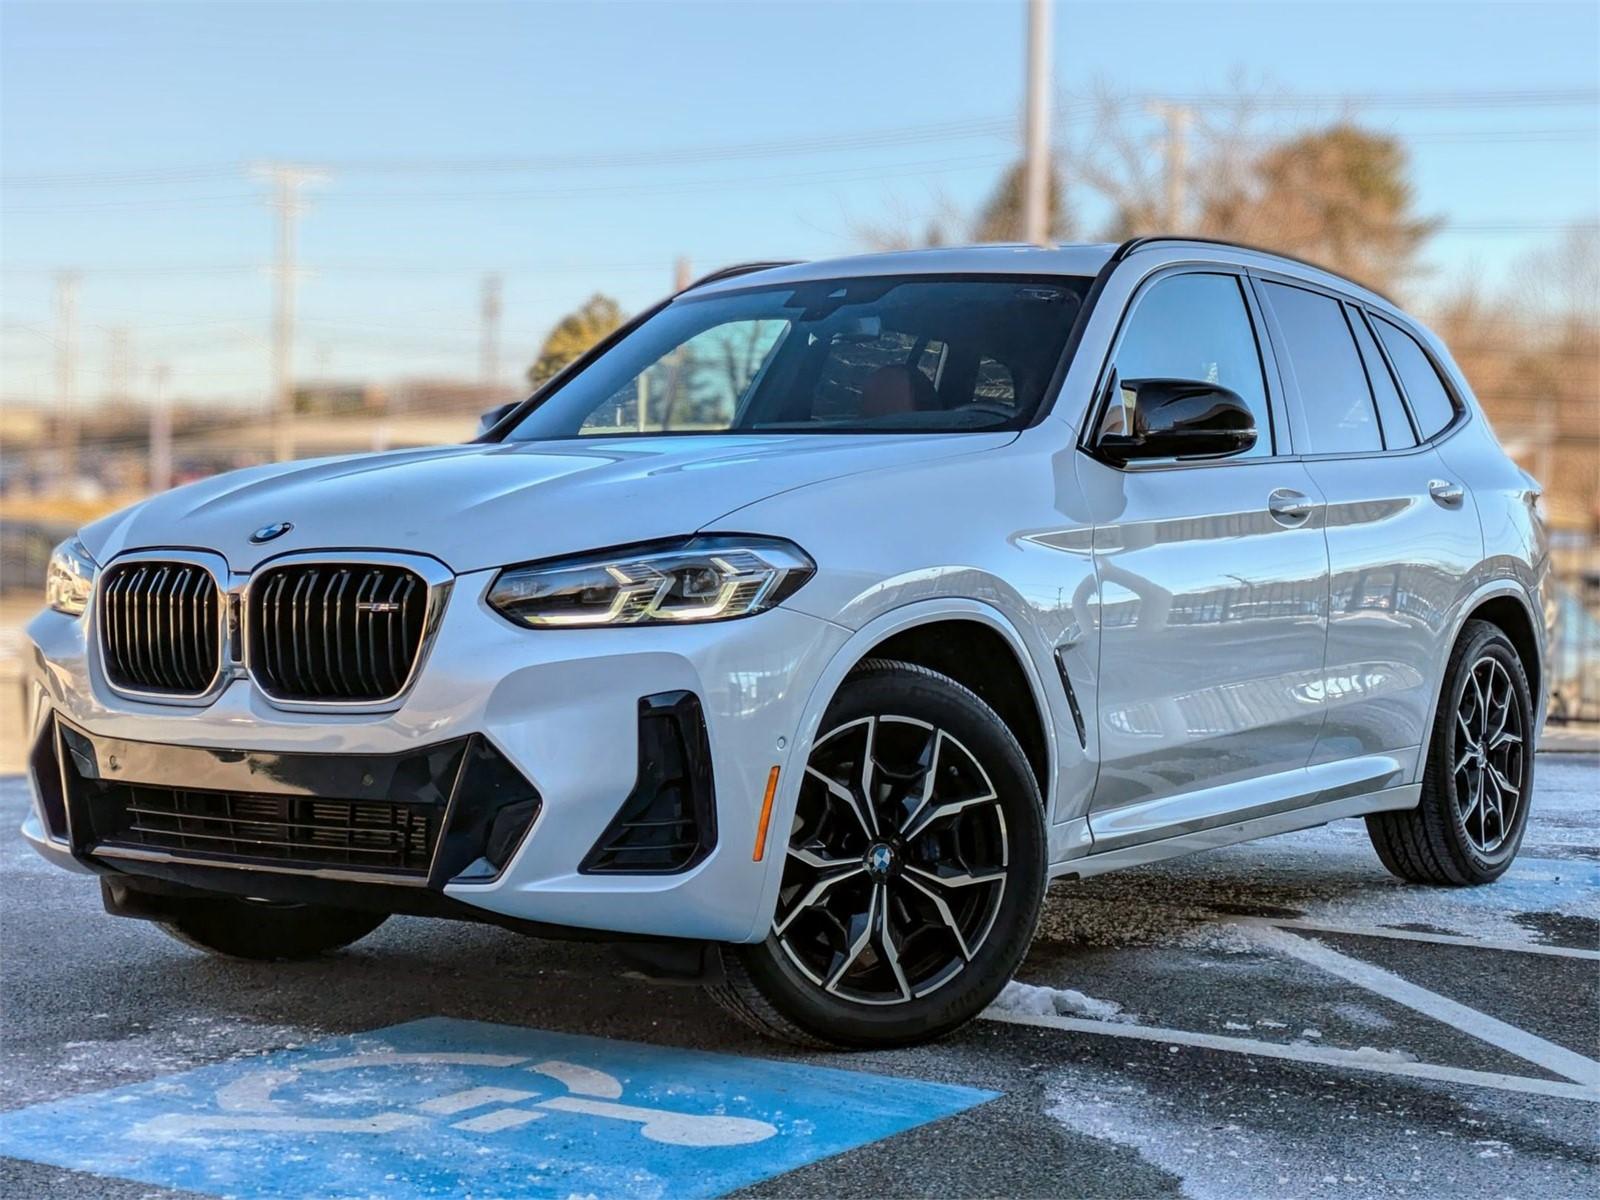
(159, 627)
(339, 632)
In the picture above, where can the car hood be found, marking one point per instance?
(484, 505)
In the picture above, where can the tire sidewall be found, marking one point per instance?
(891, 690)
(1487, 641)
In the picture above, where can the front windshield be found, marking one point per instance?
(873, 355)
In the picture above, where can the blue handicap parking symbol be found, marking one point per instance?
(443, 1107)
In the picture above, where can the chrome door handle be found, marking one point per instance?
(1446, 493)
(1289, 507)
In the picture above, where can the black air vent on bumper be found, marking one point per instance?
(668, 823)
(452, 809)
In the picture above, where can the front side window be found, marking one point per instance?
(872, 355)
(1196, 328)
(1429, 400)
(1333, 386)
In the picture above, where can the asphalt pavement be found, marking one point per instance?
(1276, 1019)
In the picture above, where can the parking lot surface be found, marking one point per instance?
(1281, 1018)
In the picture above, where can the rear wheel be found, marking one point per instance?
(915, 870)
(1479, 773)
(262, 929)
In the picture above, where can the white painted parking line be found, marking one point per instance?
(1468, 1020)
(1413, 935)
(1328, 1056)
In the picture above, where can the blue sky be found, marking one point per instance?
(127, 130)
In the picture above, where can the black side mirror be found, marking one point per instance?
(490, 419)
(1177, 418)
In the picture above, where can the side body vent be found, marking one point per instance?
(668, 823)
(1072, 700)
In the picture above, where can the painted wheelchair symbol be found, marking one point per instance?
(248, 1105)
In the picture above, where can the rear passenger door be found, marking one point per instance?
(1400, 530)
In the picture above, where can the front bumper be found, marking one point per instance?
(560, 708)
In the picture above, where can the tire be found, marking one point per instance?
(256, 929)
(1452, 837)
(950, 882)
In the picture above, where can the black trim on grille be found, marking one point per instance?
(335, 632)
(159, 627)
(668, 823)
(420, 817)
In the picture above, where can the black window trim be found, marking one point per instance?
(1463, 410)
(1271, 374)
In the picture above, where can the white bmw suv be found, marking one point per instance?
(805, 629)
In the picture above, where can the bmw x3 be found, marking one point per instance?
(804, 630)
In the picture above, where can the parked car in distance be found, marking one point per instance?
(805, 629)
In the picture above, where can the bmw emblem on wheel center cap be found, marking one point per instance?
(267, 532)
(880, 860)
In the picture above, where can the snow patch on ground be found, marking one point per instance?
(1029, 1000)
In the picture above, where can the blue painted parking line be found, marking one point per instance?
(443, 1107)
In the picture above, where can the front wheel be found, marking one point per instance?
(914, 873)
(260, 929)
(1478, 776)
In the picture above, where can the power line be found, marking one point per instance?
(950, 130)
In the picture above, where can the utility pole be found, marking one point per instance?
(1036, 127)
(286, 181)
(682, 273)
(119, 366)
(1177, 118)
(160, 433)
(67, 411)
(489, 333)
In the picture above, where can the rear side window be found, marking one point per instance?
(1196, 327)
(1333, 386)
(1397, 432)
(1429, 400)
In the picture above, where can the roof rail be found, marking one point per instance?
(736, 270)
(1136, 243)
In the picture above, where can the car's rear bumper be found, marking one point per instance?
(556, 716)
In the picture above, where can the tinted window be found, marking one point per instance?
(1327, 369)
(1429, 400)
(1196, 327)
(876, 354)
(1397, 432)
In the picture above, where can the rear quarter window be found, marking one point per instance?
(1430, 399)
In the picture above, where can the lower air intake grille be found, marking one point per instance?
(668, 823)
(159, 627)
(305, 831)
(335, 631)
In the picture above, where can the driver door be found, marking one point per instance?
(1212, 580)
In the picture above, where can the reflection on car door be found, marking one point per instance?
(1212, 590)
(1402, 531)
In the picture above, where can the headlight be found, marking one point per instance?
(702, 579)
(70, 578)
